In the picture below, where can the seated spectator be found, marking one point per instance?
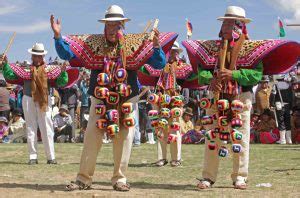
(17, 127)
(296, 125)
(253, 122)
(3, 130)
(194, 136)
(62, 123)
(186, 121)
(4, 99)
(265, 129)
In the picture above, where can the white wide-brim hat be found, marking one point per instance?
(38, 49)
(176, 47)
(235, 12)
(114, 13)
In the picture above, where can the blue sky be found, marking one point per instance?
(30, 19)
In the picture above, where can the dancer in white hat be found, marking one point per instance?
(36, 100)
(231, 71)
(125, 53)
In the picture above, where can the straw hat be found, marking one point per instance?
(235, 12)
(3, 119)
(176, 47)
(38, 49)
(64, 107)
(188, 111)
(114, 13)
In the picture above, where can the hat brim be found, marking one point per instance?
(190, 114)
(114, 19)
(67, 110)
(177, 49)
(246, 20)
(37, 53)
(5, 121)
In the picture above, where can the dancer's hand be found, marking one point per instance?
(56, 26)
(225, 74)
(215, 85)
(156, 38)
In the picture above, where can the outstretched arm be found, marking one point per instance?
(158, 59)
(62, 48)
(8, 73)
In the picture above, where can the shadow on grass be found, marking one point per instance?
(135, 185)
(288, 149)
(146, 185)
(38, 187)
(130, 165)
(12, 162)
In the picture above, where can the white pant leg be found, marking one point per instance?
(211, 158)
(121, 150)
(241, 160)
(161, 149)
(30, 114)
(46, 127)
(128, 141)
(175, 148)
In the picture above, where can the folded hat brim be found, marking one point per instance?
(37, 53)
(114, 19)
(67, 110)
(246, 20)
(178, 49)
(191, 114)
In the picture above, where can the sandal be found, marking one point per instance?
(161, 162)
(77, 185)
(175, 163)
(241, 185)
(120, 186)
(204, 184)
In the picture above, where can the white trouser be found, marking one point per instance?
(175, 148)
(241, 160)
(92, 144)
(35, 118)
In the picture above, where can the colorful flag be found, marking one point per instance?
(281, 28)
(189, 28)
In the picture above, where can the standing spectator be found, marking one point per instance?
(4, 100)
(69, 97)
(84, 99)
(62, 124)
(281, 99)
(17, 127)
(262, 96)
(3, 130)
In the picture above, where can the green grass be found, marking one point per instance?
(275, 164)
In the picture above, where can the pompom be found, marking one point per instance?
(101, 92)
(103, 79)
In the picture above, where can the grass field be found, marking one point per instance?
(275, 164)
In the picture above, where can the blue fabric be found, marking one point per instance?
(157, 60)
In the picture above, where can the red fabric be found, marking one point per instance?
(268, 138)
(297, 139)
(252, 138)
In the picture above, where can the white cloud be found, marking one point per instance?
(9, 8)
(290, 7)
(26, 29)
